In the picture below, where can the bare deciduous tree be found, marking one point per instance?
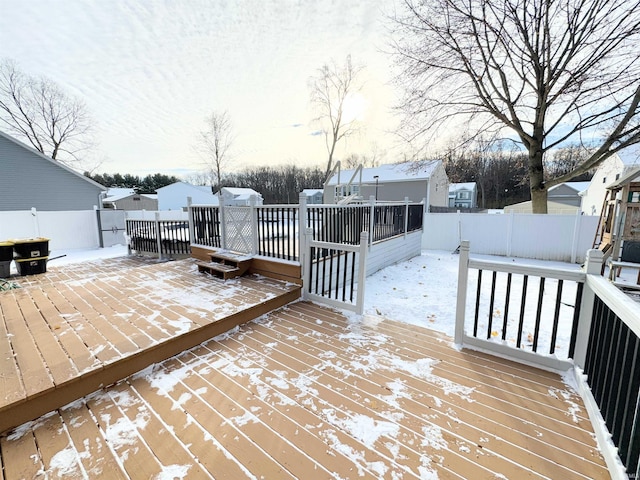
(329, 89)
(38, 111)
(553, 72)
(215, 142)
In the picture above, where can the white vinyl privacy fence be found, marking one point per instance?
(563, 238)
(65, 230)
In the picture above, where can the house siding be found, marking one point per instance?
(28, 179)
(143, 203)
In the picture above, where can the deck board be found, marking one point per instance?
(71, 330)
(303, 392)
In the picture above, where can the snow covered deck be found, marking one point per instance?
(306, 393)
(78, 327)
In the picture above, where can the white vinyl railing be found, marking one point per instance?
(598, 324)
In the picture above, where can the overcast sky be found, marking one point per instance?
(150, 71)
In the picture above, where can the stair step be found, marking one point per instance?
(219, 269)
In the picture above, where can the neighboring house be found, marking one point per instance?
(463, 195)
(553, 208)
(567, 193)
(174, 196)
(415, 180)
(314, 195)
(606, 174)
(239, 197)
(30, 179)
(128, 199)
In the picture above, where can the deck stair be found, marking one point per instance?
(225, 264)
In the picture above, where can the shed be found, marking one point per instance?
(128, 200)
(553, 208)
(30, 179)
(568, 193)
(415, 180)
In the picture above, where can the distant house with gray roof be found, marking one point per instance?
(239, 197)
(415, 180)
(29, 179)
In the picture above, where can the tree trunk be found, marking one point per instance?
(536, 180)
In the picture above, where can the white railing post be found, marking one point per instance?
(576, 236)
(302, 224)
(362, 272)
(192, 229)
(372, 225)
(158, 235)
(223, 224)
(461, 301)
(406, 215)
(592, 266)
(254, 224)
(305, 259)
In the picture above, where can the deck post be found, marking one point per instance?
(463, 276)
(406, 215)
(362, 271)
(254, 225)
(223, 224)
(158, 235)
(192, 229)
(592, 266)
(372, 220)
(302, 223)
(305, 259)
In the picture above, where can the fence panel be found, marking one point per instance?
(161, 237)
(545, 237)
(206, 226)
(65, 230)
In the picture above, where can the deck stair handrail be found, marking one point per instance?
(604, 339)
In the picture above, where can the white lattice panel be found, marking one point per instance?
(238, 228)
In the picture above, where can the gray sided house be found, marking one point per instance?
(567, 193)
(463, 195)
(391, 183)
(30, 179)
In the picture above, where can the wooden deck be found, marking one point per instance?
(304, 392)
(77, 328)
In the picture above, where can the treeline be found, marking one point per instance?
(281, 184)
(148, 184)
(502, 175)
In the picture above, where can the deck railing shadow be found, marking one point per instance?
(532, 309)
